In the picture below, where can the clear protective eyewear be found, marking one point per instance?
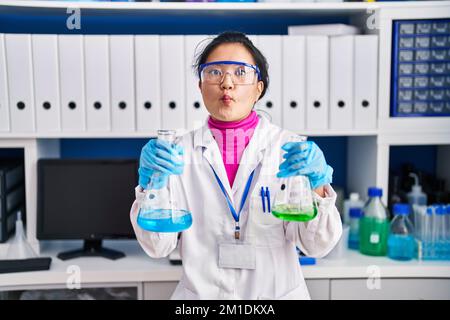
(241, 73)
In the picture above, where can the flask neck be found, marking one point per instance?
(167, 135)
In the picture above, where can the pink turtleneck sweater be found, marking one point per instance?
(232, 138)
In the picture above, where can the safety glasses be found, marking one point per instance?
(241, 73)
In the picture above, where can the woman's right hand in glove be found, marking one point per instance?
(158, 160)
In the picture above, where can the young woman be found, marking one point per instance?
(231, 252)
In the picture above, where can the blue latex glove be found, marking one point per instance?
(305, 158)
(158, 160)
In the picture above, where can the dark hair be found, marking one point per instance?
(236, 37)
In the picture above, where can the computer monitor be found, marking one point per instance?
(87, 199)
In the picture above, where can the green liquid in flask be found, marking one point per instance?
(291, 213)
(164, 220)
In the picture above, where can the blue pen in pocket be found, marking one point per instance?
(268, 199)
(262, 199)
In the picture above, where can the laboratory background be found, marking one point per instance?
(85, 84)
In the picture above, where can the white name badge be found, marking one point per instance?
(237, 255)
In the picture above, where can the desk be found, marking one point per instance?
(354, 277)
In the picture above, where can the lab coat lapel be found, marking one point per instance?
(252, 155)
(203, 138)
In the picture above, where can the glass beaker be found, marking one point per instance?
(294, 200)
(164, 209)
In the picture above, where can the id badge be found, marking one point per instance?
(237, 255)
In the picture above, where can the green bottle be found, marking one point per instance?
(374, 225)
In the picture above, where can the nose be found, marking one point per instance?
(227, 83)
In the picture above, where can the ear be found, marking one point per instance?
(259, 90)
(200, 85)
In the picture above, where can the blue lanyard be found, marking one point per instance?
(230, 205)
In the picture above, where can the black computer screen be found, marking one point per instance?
(85, 199)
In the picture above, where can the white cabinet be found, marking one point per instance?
(343, 289)
(92, 291)
(162, 290)
(390, 289)
(159, 290)
(319, 289)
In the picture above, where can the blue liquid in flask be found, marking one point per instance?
(164, 220)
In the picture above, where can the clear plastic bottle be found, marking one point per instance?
(162, 210)
(401, 241)
(353, 236)
(428, 242)
(416, 196)
(19, 247)
(439, 232)
(447, 238)
(374, 225)
(352, 202)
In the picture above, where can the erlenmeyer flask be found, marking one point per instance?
(294, 200)
(162, 210)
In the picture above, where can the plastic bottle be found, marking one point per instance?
(353, 237)
(416, 196)
(374, 225)
(428, 243)
(447, 225)
(19, 247)
(352, 202)
(401, 242)
(440, 232)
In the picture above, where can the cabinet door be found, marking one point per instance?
(161, 290)
(319, 289)
(362, 289)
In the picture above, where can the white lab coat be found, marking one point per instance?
(278, 274)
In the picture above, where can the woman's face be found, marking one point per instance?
(227, 101)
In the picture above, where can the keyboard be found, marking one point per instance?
(25, 265)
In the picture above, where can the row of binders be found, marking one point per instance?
(140, 83)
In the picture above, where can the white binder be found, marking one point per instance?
(172, 82)
(98, 106)
(4, 107)
(122, 83)
(317, 82)
(71, 77)
(46, 82)
(196, 112)
(271, 48)
(294, 96)
(148, 85)
(366, 81)
(20, 82)
(341, 83)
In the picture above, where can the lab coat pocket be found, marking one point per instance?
(267, 230)
(260, 216)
